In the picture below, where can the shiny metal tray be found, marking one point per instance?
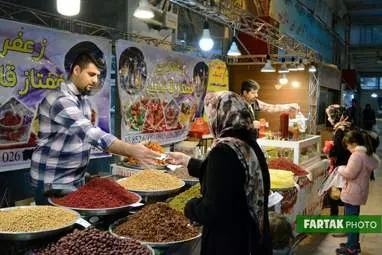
(27, 236)
(151, 193)
(152, 252)
(103, 211)
(191, 181)
(153, 244)
(142, 167)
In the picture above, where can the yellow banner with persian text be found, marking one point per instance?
(217, 76)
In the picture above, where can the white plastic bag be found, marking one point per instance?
(333, 180)
(300, 120)
(274, 198)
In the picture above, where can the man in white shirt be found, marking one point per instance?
(249, 91)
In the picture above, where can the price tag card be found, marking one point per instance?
(14, 159)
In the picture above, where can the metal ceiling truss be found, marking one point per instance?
(260, 7)
(227, 13)
(314, 92)
(32, 16)
(232, 15)
(262, 59)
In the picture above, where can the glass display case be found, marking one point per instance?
(301, 152)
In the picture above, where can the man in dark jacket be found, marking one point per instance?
(355, 114)
(368, 118)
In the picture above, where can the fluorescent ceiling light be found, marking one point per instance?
(206, 43)
(301, 66)
(283, 68)
(293, 66)
(144, 11)
(374, 95)
(312, 69)
(233, 50)
(68, 7)
(268, 68)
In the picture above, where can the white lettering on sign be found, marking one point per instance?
(323, 223)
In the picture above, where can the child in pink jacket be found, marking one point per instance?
(356, 173)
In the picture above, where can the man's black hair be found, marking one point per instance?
(84, 59)
(249, 85)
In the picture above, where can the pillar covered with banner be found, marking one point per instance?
(33, 62)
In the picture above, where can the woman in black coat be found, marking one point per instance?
(338, 118)
(235, 182)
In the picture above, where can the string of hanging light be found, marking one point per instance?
(227, 12)
(233, 50)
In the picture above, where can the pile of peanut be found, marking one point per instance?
(35, 218)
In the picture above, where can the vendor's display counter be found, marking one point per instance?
(104, 221)
(304, 199)
(300, 152)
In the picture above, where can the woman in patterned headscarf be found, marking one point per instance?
(338, 118)
(235, 182)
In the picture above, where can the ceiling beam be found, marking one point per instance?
(369, 64)
(365, 49)
(369, 72)
(372, 63)
(372, 73)
(360, 6)
(229, 14)
(366, 20)
(365, 53)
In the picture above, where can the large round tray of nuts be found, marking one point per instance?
(160, 227)
(24, 223)
(155, 244)
(152, 182)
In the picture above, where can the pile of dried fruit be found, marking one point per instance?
(93, 241)
(157, 223)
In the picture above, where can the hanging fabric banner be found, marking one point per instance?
(33, 62)
(218, 76)
(300, 24)
(160, 92)
(218, 79)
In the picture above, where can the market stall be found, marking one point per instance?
(288, 138)
(302, 158)
(160, 94)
